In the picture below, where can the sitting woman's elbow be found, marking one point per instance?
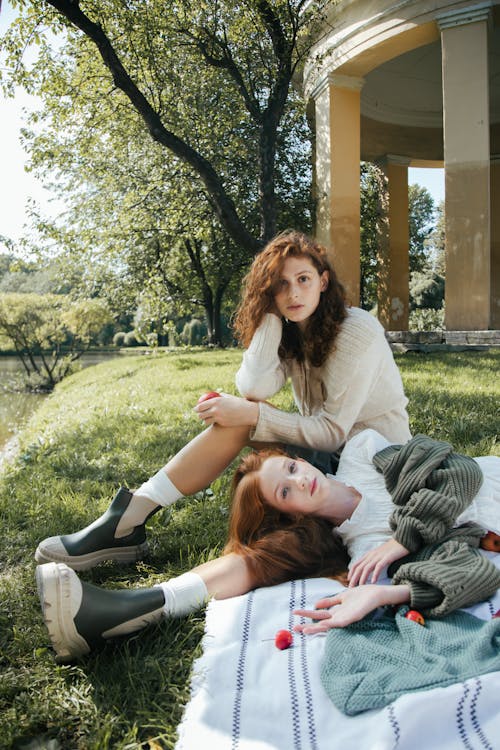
(253, 393)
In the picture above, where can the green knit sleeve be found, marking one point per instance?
(430, 486)
(448, 576)
(426, 518)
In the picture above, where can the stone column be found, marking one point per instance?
(393, 256)
(337, 175)
(495, 241)
(464, 40)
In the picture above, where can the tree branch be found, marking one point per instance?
(223, 204)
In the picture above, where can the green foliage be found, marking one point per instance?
(426, 319)
(119, 338)
(22, 277)
(194, 332)
(48, 332)
(374, 224)
(435, 242)
(421, 218)
(373, 185)
(199, 151)
(117, 423)
(130, 339)
(426, 289)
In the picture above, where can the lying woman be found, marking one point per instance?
(288, 520)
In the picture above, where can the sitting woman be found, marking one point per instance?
(288, 520)
(296, 325)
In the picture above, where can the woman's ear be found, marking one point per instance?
(324, 281)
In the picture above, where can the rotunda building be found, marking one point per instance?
(411, 83)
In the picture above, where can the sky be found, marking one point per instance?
(17, 186)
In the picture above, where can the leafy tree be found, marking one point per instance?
(164, 63)
(17, 275)
(426, 290)
(373, 224)
(435, 242)
(421, 218)
(228, 160)
(49, 332)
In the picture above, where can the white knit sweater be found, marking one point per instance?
(358, 387)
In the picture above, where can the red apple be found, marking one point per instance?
(490, 541)
(283, 639)
(412, 614)
(207, 396)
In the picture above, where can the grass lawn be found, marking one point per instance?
(117, 423)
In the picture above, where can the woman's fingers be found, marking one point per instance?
(360, 571)
(319, 627)
(313, 614)
(374, 562)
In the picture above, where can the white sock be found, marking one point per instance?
(184, 594)
(159, 489)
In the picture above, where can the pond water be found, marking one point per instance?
(16, 407)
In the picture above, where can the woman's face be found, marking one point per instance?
(293, 485)
(299, 288)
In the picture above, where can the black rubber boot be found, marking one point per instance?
(95, 543)
(80, 616)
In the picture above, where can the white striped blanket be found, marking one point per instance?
(248, 695)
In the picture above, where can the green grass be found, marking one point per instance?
(118, 423)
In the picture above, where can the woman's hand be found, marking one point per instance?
(374, 562)
(350, 606)
(228, 411)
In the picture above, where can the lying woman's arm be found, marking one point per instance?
(350, 606)
(437, 580)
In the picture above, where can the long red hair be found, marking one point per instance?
(259, 286)
(277, 546)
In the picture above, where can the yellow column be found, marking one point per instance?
(337, 175)
(495, 242)
(464, 40)
(393, 256)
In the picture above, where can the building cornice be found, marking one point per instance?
(339, 81)
(462, 16)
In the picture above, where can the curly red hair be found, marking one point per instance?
(277, 546)
(317, 341)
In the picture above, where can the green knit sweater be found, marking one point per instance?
(430, 486)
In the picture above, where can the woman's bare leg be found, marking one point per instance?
(205, 457)
(119, 534)
(192, 469)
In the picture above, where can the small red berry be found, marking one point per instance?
(283, 639)
(207, 396)
(490, 541)
(412, 614)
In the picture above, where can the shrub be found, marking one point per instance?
(426, 290)
(426, 319)
(130, 339)
(194, 332)
(119, 338)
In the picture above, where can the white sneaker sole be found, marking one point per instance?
(85, 562)
(60, 594)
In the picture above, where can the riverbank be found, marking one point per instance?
(17, 403)
(117, 424)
